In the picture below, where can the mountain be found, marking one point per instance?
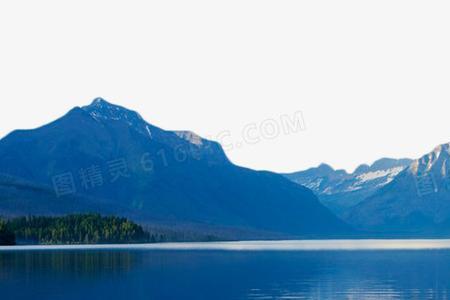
(416, 202)
(340, 191)
(19, 197)
(106, 158)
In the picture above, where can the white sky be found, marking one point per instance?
(372, 78)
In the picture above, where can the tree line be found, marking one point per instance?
(7, 237)
(74, 229)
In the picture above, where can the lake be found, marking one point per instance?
(412, 269)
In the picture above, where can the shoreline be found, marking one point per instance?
(285, 245)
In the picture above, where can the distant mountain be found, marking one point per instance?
(340, 191)
(107, 159)
(416, 202)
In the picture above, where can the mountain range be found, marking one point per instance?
(107, 159)
(405, 198)
(340, 191)
(416, 202)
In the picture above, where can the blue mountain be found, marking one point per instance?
(108, 159)
(415, 203)
(341, 191)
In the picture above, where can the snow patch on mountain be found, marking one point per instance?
(100, 110)
(314, 185)
(148, 131)
(438, 157)
(190, 137)
(388, 175)
(337, 188)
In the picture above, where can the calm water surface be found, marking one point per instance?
(272, 271)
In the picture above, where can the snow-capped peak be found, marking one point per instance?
(100, 101)
(100, 109)
(104, 111)
(436, 160)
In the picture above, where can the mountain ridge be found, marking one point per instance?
(339, 190)
(169, 176)
(415, 202)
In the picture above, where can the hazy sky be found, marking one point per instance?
(372, 78)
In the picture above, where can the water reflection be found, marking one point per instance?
(73, 263)
(143, 274)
